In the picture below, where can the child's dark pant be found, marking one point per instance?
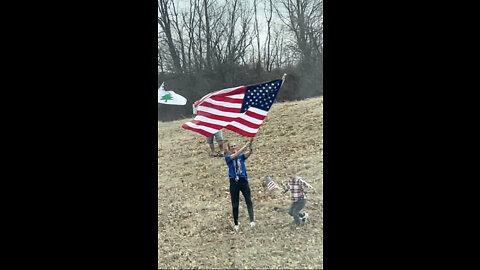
(295, 210)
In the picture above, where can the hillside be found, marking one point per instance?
(194, 208)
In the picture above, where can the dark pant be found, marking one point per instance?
(295, 210)
(235, 188)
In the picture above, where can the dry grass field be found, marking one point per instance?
(195, 224)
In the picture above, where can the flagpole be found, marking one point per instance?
(283, 78)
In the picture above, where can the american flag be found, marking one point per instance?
(240, 109)
(271, 185)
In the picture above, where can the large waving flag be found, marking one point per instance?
(170, 97)
(240, 109)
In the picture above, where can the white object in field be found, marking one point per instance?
(170, 97)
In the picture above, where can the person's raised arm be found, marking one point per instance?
(234, 156)
(250, 149)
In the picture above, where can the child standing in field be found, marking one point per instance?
(296, 186)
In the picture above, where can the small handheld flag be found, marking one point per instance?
(271, 185)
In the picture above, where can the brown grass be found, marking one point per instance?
(194, 209)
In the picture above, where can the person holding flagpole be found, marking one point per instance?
(239, 180)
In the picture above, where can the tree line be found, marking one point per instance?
(207, 45)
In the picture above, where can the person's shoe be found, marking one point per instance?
(236, 227)
(305, 217)
(252, 224)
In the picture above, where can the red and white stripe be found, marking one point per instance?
(271, 186)
(221, 109)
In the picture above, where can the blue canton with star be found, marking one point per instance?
(261, 96)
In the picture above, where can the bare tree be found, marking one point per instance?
(208, 36)
(278, 48)
(166, 25)
(268, 16)
(217, 35)
(180, 36)
(304, 18)
(189, 22)
(257, 35)
(161, 68)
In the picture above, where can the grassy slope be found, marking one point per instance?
(195, 220)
